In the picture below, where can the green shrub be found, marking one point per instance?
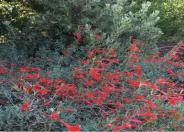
(172, 19)
(55, 24)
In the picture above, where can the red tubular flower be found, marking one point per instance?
(127, 100)
(128, 74)
(43, 91)
(68, 89)
(111, 60)
(74, 128)
(27, 90)
(89, 82)
(32, 76)
(162, 81)
(150, 104)
(149, 84)
(78, 37)
(136, 121)
(149, 115)
(78, 75)
(124, 126)
(3, 71)
(134, 83)
(133, 57)
(98, 36)
(99, 101)
(36, 87)
(171, 72)
(29, 69)
(84, 62)
(90, 54)
(25, 106)
(20, 84)
(109, 125)
(139, 97)
(46, 81)
(138, 70)
(90, 95)
(133, 47)
(113, 77)
(94, 73)
(47, 103)
(54, 116)
(58, 80)
(71, 128)
(172, 101)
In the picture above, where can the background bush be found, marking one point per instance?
(171, 18)
(51, 24)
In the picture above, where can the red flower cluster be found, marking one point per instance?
(127, 97)
(3, 71)
(25, 106)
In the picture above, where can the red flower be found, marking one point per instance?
(139, 97)
(89, 95)
(133, 47)
(32, 76)
(134, 83)
(118, 104)
(36, 87)
(125, 126)
(89, 82)
(25, 106)
(109, 125)
(127, 100)
(172, 101)
(128, 74)
(150, 104)
(54, 116)
(46, 81)
(134, 57)
(43, 91)
(94, 73)
(114, 76)
(78, 76)
(47, 103)
(84, 62)
(78, 37)
(3, 70)
(149, 84)
(136, 121)
(162, 81)
(90, 54)
(171, 72)
(20, 84)
(98, 36)
(98, 101)
(68, 89)
(27, 90)
(71, 128)
(138, 70)
(29, 69)
(58, 80)
(149, 115)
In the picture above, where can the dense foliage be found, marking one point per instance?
(171, 17)
(58, 24)
(96, 94)
(89, 65)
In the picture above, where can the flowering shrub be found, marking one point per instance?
(98, 93)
